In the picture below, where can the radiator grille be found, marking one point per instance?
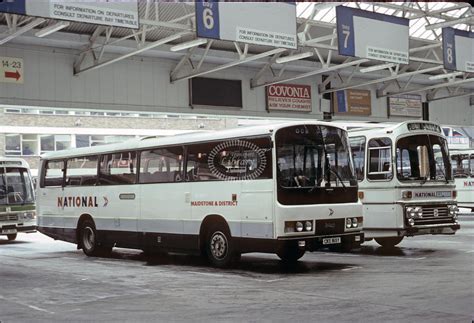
(8, 217)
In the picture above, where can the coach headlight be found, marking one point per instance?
(418, 211)
(453, 210)
(411, 221)
(299, 226)
(308, 225)
(354, 223)
(410, 212)
(348, 223)
(29, 215)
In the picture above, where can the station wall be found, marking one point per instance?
(142, 84)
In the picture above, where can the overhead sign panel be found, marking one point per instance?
(354, 102)
(372, 35)
(289, 97)
(458, 49)
(102, 12)
(405, 105)
(11, 70)
(259, 23)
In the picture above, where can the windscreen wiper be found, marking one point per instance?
(338, 177)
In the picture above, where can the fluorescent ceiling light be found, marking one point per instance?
(188, 44)
(445, 76)
(376, 68)
(290, 58)
(52, 29)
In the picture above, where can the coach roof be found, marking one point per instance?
(194, 137)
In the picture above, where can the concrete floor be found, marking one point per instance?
(426, 279)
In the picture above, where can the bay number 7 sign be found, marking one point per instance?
(372, 35)
(11, 70)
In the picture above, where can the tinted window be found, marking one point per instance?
(161, 165)
(81, 171)
(118, 168)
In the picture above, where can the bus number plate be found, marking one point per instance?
(8, 231)
(332, 240)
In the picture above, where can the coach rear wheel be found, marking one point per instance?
(389, 242)
(89, 242)
(289, 252)
(219, 246)
(11, 237)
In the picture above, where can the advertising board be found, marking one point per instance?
(352, 102)
(289, 97)
(405, 105)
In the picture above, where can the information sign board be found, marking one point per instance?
(405, 105)
(289, 97)
(259, 23)
(102, 12)
(372, 35)
(355, 102)
(11, 70)
(458, 50)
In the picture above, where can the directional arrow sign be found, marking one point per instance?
(11, 70)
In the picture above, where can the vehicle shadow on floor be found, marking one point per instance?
(393, 251)
(5, 241)
(249, 263)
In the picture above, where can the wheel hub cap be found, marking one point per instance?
(219, 245)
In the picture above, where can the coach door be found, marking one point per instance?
(118, 201)
(50, 200)
(165, 196)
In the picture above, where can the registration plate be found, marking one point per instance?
(8, 231)
(332, 240)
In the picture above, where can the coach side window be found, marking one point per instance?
(161, 165)
(233, 159)
(53, 173)
(118, 168)
(197, 166)
(81, 171)
(358, 156)
(380, 159)
(471, 162)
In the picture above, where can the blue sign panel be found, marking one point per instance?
(449, 50)
(458, 50)
(345, 31)
(372, 35)
(13, 6)
(207, 19)
(341, 101)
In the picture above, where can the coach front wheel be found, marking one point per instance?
(289, 252)
(11, 237)
(219, 246)
(389, 242)
(89, 242)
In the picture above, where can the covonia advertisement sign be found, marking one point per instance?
(289, 97)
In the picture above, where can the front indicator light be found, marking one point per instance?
(411, 221)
